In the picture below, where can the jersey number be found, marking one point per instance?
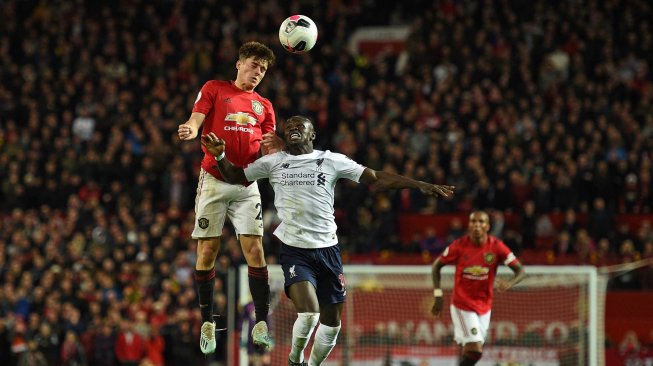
(260, 212)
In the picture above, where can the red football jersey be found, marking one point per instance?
(476, 268)
(238, 117)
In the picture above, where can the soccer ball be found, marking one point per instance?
(298, 33)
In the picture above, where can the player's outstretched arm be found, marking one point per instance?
(437, 290)
(189, 129)
(386, 180)
(519, 272)
(215, 146)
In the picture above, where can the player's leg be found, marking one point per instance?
(469, 332)
(245, 213)
(300, 283)
(331, 293)
(210, 213)
(326, 334)
(257, 274)
(306, 304)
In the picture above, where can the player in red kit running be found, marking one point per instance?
(242, 118)
(476, 256)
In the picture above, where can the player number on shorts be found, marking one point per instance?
(259, 216)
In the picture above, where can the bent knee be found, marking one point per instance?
(472, 355)
(305, 323)
(207, 251)
(252, 246)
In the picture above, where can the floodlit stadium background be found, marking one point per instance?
(540, 112)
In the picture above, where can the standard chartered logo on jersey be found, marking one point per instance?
(298, 179)
(243, 122)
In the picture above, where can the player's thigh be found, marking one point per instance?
(331, 286)
(245, 211)
(485, 323)
(300, 277)
(467, 326)
(304, 297)
(252, 246)
(211, 205)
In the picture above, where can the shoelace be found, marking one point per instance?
(206, 331)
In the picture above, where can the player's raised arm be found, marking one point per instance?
(231, 173)
(387, 180)
(189, 129)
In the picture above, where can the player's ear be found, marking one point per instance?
(312, 135)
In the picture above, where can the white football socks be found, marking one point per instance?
(325, 340)
(301, 333)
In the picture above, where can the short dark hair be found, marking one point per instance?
(306, 119)
(257, 50)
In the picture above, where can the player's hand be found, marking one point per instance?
(436, 189)
(503, 285)
(272, 143)
(187, 132)
(437, 306)
(213, 144)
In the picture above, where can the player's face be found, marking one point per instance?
(479, 224)
(250, 72)
(298, 131)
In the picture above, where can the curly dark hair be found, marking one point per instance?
(257, 50)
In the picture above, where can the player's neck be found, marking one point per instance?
(243, 86)
(300, 149)
(478, 241)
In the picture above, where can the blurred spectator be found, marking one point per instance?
(155, 346)
(565, 243)
(455, 230)
(605, 256)
(584, 247)
(432, 242)
(528, 225)
(600, 220)
(33, 356)
(629, 343)
(570, 225)
(103, 346)
(629, 279)
(48, 343)
(130, 345)
(94, 183)
(72, 352)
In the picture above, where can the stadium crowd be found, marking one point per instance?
(526, 107)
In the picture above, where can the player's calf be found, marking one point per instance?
(325, 340)
(301, 333)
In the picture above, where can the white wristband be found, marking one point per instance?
(220, 157)
(437, 292)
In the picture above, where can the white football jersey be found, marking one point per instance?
(304, 192)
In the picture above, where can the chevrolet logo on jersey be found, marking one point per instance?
(476, 270)
(242, 119)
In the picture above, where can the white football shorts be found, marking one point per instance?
(468, 326)
(216, 200)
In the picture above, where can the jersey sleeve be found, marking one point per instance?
(347, 168)
(450, 253)
(270, 122)
(505, 254)
(205, 98)
(260, 168)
